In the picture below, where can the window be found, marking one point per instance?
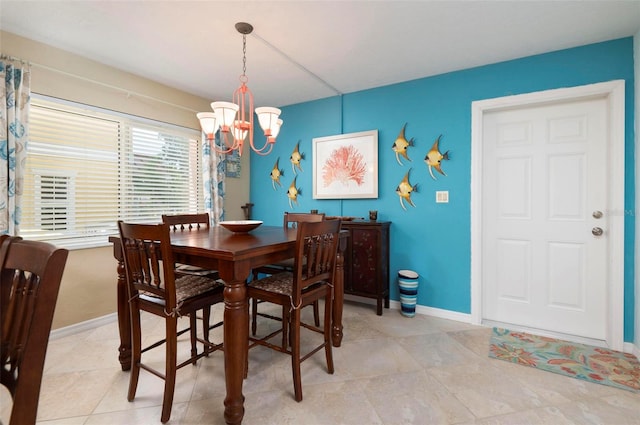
(53, 200)
(86, 168)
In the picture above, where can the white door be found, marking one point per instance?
(545, 217)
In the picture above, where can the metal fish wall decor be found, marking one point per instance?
(275, 174)
(293, 192)
(434, 158)
(401, 145)
(295, 158)
(404, 191)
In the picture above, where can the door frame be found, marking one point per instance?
(613, 91)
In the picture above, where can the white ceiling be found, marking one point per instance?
(305, 50)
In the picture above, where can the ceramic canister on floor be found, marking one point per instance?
(408, 284)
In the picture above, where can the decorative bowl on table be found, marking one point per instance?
(240, 226)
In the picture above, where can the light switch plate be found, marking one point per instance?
(442, 196)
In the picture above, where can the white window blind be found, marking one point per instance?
(86, 168)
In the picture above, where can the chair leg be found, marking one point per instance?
(316, 314)
(170, 366)
(206, 315)
(328, 347)
(294, 328)
(254, 316)
(136, 352)
(246, 356)
(193, 325)
(286, 324)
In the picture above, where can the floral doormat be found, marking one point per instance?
(586, 362)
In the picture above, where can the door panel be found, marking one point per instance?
(514, 187)
(544, 172)
(566, 276)
(514, 276)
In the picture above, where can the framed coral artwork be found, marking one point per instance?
(346, 166)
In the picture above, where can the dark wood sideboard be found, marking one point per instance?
(366, 260)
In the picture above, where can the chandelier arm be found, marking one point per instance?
(225, 152)
(227, 146)
(267, 144)
(219, 150)
(230, 142)
(262, 151)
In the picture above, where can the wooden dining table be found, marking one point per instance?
(234, 255)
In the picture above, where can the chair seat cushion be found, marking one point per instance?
(279, 283)
(189, 286)
(183, 269)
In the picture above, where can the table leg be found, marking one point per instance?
(124, 319)
(236, 336)
(338, 295)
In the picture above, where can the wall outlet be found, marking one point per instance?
(442, 196)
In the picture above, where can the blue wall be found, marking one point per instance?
(434, 239)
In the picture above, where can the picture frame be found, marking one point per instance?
(232, 164)
(345, 166)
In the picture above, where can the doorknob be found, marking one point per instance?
(597, 214)
(597, 231)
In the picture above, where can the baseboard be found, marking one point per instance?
(436, 312)
(83, 326)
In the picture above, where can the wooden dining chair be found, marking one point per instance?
(4, 247)
(188, 223)
(311, 280)
(155, 288)
(30, 276)
(291, 220)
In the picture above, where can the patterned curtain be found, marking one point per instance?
(213, 176)
(14, 133)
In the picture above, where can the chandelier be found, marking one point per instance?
(234, 120)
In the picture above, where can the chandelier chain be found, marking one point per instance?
(244, 55)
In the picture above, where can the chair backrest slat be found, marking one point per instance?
(316, 250)
(30, 277)
(146, 250)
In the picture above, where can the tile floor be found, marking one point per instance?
(389, 370)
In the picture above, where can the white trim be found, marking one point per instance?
(435, 312)
(633, 349)
(87, 325)
(420, 309)
(614, 92)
